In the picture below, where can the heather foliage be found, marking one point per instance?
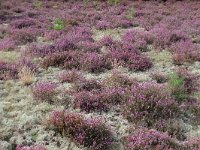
(148, 103)
(149, 139)
(90, 101)
(90, 132)
(140, 39)
(159, 77)
(182, 84)
(70, 76)
(117, 79)
(38, 147)
(127, 56)
(185, 51)
(7, 44)
(87, 85)
(8, 71)
(193, 143)
(44, 91)
(65, 34)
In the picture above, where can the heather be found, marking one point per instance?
(99, 75)
(90, 132)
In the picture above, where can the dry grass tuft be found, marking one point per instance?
(26, 76)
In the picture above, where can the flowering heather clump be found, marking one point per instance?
(87, 85)
(27, 62)
(8, 71)
(114, 95)
(23, 23)
(131, 60)
(64, 44)
(98, 136)
(40, 50)
(185, 51)
(23, 36)
(191, 81)
(52, 34)
(7, 44)
(70, 76)
(106, 41)
(149, 139)
(182, 84)
(103, 25)
(56, 119)
(148, 103)
(44, 91)
(140, 39)
(162, 37)
(94, 62)
(159, 77)
(173, 127)
(89, 46)
(92, 133)
(124, 23)
(193, 144)
(117, 79)
(90, 101)
(38, 147)
(65, 60)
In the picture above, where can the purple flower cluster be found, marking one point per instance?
(130, 59)
(149, 139)
(8, 71)
(7, 44)
(44, 91)
(148, 103)
(70, 76)
(95, 63)
(185, 51)
(90, 101)
(92, 133)
(139, 38)
(38, 147)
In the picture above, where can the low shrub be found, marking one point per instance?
(149, 139)
(159, 77)
(92, 133)
(185, 51)
(90, 101)
(22, 37)
(87, 85)
(65, 60)
(58, 24)
(103, 25)
(44, 91)
(130, 59)
(117, 79)
(182, 84)
(193, 143)
(140, 39)
(148, 103)
(8, 71)
(7, 44)
(94, 62)
(37, 147)
(71, 76)
(23, 23)
(114, 95)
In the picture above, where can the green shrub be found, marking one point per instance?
(58, 24)
(176, 86)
